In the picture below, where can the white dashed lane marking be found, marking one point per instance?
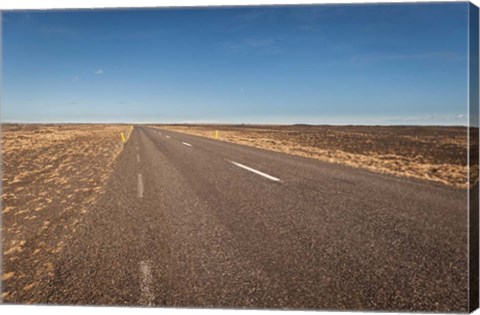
(256, 171)
(140, 186)
(146, 281)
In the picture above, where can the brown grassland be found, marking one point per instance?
(433, 153)
(50, 173)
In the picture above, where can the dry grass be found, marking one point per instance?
(51, 174)
(433, 153)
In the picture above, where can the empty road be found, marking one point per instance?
(189, 221)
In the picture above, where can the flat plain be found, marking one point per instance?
(176, 219)
(432, 153)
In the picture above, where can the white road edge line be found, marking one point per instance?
(146, 297)
(140, 186)
(255, 171)
(187, 144)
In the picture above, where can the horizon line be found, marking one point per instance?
(227, 123)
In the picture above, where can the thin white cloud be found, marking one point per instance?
(268, 46)
(374, 57)
(99, 71)
(58, 31)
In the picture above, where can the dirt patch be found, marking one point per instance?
(433, 153)
(51, 175)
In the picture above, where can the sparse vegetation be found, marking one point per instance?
(432, 153)
(51, 173)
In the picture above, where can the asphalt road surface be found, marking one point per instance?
(194, 222)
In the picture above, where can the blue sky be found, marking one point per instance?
(324, 64)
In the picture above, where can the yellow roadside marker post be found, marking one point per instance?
(216, 134)
(123, 137)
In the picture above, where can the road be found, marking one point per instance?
(189, 221)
